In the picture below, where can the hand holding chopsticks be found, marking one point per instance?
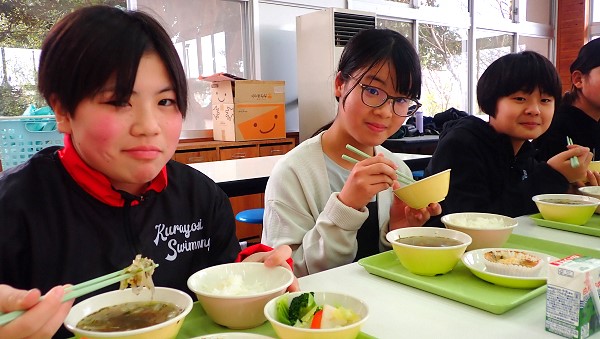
(401, 176)
(81, 289)
(574, 160)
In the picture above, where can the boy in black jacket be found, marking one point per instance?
(493, 165)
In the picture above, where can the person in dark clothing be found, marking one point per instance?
(70, 214)
(579, 115)
(493, 166)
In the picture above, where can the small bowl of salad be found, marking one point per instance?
(316, 315)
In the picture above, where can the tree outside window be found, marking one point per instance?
(23, 26)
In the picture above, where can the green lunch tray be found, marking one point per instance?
(592, 227)
(462, 286)
(197, 323)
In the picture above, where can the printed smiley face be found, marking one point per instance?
(270, 124)
(221, 92)
(221, 96)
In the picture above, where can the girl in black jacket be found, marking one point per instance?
(579, 114)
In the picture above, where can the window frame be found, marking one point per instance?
(594, 27)
(390, 10)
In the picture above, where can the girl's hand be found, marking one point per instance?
(592, 179)
(42, 317)
(276, 257)
(367, 178)
(402, 215)
(562, 163)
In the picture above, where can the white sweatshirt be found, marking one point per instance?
(302, 212)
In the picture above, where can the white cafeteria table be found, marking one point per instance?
(401, 311)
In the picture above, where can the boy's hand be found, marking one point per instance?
(562, 163)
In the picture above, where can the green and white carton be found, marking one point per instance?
(572, 301)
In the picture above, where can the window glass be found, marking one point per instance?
(207, 44)
(538, 11)
(400, 1)
(402, 27)
(540, 45)
(23, 26)
(443, 52)
(461, 5)
(501, 9)
(595, 25)
(443, 56)
(489, 46)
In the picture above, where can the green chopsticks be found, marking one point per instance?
(83, 288)
(401, 176)
(574, 160)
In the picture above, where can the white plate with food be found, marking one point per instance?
(477, 264)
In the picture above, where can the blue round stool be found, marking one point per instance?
(251, 216)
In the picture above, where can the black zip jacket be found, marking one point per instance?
(485, 174)
(573, 122)
(53, 232)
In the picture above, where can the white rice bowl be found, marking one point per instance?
(486, 229)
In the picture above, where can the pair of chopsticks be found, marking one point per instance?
(574, 160)
(83, 288)
(401, 176)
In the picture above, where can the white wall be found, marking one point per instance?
(277, 45)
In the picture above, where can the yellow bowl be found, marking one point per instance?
(594, 166)
(332, 298)
(591, 191)
(485, 229)
(425, 191)
(167, 329)
(234, 295)
(567, 208)
(424, 260)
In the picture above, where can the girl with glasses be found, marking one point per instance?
(330, 211)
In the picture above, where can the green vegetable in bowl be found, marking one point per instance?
(282, 311)
(302, 308)
(304, 312)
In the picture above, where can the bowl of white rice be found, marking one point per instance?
(486, 229)
(234, 295)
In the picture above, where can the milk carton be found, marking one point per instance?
(572, 301)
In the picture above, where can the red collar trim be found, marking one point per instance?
(95, 183)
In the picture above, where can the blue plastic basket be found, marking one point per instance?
(22, 137)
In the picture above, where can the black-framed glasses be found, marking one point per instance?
(376, 97)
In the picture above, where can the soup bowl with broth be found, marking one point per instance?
(123, 314)
(428, 251)
(566, 208)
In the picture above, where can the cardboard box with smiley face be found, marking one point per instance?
(247, 109)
